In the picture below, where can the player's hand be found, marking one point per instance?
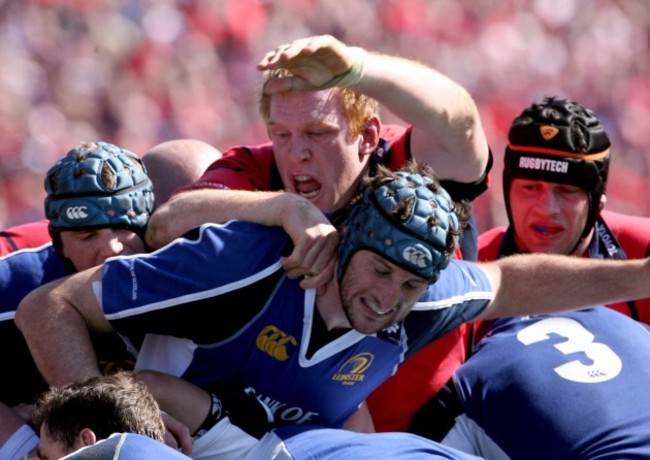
(177, 435)
(315, 241)
(24, 410)
(314, 62)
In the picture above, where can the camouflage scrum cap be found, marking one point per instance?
(96, 185)
(404, 221)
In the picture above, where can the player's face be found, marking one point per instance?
(548, 217)
(90, 248)
(376, 293)
(313, 151)
(49, 449)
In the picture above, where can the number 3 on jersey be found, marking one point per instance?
(605, 363)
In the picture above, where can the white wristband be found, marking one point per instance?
(353, 75)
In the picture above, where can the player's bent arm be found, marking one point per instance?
(361, 421)
(184, 401)
(192, 208)
(543, 283)
(447, 130)
(56, 319)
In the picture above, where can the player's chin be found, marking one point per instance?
(370, 326)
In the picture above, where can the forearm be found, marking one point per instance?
(540, 283)
(447, 131)
(57, 335)
(184, 401)
(188, 210)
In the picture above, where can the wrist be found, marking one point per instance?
(354, 74)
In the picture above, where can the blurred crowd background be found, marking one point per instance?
(139, 72)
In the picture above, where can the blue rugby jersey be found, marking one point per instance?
(335, 444)
(224, 316)
(20, 273)
(127, 446)
(562, 386)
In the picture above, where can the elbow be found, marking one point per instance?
(155, 237)
(26, 315)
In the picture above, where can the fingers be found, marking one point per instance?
(177, 435)
(319, 281)
(311, 255)
(279, 85)
(289, 51)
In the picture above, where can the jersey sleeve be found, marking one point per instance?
(461, 293)
(197, 286)
(23, 271)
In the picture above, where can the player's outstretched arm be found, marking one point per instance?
(543, 283)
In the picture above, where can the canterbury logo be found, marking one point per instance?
(353, 370)
(416, 257)
(76, 212)
(273, 342)
(548, 132)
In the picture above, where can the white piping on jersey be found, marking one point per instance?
(20, 251)
(330, 349)
(7, 316)
(451, 301)
(97, 287)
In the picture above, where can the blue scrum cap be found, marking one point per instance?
(96, 185)
(404, 221)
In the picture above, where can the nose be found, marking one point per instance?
(109, 244)
(300, 149)
(389, 295)
(548, 201)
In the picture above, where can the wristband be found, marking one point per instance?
(353, 75)
(215, 414)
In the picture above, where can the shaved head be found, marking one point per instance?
(172, 164)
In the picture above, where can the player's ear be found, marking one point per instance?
(369, 136)
(87, 437)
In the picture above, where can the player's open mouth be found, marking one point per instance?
(306, 186)
(547, 230)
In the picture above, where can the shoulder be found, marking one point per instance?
(347, 444)
(259, 155)
(632, 232)
(24, 270)
(489, 243)
(127, 446)
(239, 168)
(393, 148)
(24, 236)
(392, 133)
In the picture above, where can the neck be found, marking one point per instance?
(328, 304)
(581, 248)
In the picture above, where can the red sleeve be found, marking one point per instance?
(24, 236)
(399, 139)
(240, 168)
(393, 404)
